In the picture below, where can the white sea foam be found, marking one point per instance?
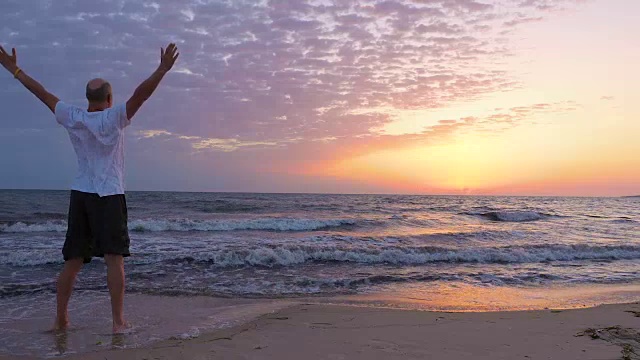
(49, 226)
(273, 224)
(291, 255)
(295, 255)
(277, 224)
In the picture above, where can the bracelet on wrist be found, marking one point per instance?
(18, 71)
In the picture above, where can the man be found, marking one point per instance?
(97, 224)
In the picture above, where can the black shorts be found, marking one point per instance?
(97, 226)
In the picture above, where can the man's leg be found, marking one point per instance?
(115, 282)
(66, 280)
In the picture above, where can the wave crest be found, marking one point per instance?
(511, 215)
(270, 224)
(287, 256)
(291, 255)
(273, 224)
(21, 227)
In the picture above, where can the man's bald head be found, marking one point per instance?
(98, 91)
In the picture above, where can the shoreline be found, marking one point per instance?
(316, 331)
(472, 314)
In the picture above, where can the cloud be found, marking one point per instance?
(230, 144)
(299, 78)
(199, 143)
(146, 134)
(495, 123)
(301, 153)
(246, 65)
(523, 19)
(549, 5)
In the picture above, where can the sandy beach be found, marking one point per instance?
(313, 331)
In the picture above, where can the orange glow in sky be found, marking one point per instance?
(583, 142)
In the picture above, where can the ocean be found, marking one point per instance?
(243, 249)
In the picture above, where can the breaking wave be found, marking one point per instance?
(287, 256)
(511, 215)
(291, 255)
(272, 224)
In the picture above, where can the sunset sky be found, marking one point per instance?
(513, 97)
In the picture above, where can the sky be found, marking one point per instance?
(479, 97)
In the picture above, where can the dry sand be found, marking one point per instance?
(309, 331)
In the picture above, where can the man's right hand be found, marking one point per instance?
(10, 62)
(168, 57)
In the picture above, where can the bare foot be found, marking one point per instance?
(60, 325)
(122, 328)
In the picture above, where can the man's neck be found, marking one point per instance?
(96, 107)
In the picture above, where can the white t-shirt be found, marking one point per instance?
(98, 139)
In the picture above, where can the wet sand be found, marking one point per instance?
(315, 331)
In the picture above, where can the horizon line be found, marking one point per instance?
(328, 193)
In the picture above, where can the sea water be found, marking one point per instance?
(242, 251)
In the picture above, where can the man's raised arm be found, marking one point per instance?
(10, 62)
(143, 92)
